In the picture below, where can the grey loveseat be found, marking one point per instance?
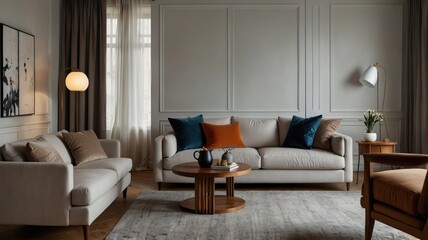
(59, 194)
(270, 163)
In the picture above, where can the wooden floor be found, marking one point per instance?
(142, 181)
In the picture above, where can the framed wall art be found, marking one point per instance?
(26, 73)
(18, 72)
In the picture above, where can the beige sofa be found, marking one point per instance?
(59, 194)
(270, 163)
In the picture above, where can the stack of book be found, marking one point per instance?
(228, 167)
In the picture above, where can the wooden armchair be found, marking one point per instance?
(398, 198)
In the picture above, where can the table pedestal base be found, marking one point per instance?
(223, 204)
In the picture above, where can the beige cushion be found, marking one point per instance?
(258, 132)
(169, 145)
(338, 145)
(243, 155)
(55, 140)
(294, 158)
(283, 125)
(399, 188)
(84, 146)
(42, 151)
(91, 184)
(15, 151)
(217, 121)
(122, 166)
(324, 132)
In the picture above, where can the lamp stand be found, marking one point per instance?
(76, 124)
(377, 65)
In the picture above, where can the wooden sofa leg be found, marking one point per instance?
(124, 193)
(369, 226)
(348, 186)
(86, 232)
(159, 186)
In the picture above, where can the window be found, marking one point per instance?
(142, 46)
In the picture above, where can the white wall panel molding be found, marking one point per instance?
(193, 58)
(311, 51)
(24, 127)
(165, 127)
(268, 58)
(22, 132)
(376, 36)
(313, 83)
(336, 56)
(21, 121)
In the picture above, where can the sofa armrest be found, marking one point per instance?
(34, 193)
(157, 159)
(169, 145)
(338, 145)
(111, 147)
(165, 146)
(342, 145)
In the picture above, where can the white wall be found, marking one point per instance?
(276, 58)
(40, 18)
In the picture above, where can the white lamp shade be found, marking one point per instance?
(76, 81)
(369, 77)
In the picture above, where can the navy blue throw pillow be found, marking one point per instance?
(188, 132)
(302, 131)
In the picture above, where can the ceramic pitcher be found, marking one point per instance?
(204, 157)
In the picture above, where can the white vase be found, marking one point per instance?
(370, 137)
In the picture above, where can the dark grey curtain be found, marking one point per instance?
(83, 45)
(417, 78)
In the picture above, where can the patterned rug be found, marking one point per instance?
(267, 215)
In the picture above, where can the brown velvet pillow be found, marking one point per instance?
(84, 146)
(42, 151)
(221, 136)
(323, 135)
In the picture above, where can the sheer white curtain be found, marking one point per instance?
(128, 78)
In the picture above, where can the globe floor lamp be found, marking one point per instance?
(77, 82)
(369, 78)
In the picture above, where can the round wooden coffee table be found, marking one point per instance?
(205, 200)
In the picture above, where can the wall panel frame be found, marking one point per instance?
(332, 52)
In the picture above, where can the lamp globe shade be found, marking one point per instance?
(369, 77)
(76, 81)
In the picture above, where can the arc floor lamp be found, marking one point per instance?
(369, 78)
(77, 82)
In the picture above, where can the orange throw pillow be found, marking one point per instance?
(222, 136)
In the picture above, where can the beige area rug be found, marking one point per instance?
(267, 215)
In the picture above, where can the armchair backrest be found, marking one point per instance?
(423, 200)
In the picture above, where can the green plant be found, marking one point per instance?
(371, 117)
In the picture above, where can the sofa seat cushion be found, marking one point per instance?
(294, 158)
(249, 156)
(122, 166)
(399, 188)
(91, 184)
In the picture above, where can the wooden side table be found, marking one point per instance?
(374, 147)
(205, 200)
